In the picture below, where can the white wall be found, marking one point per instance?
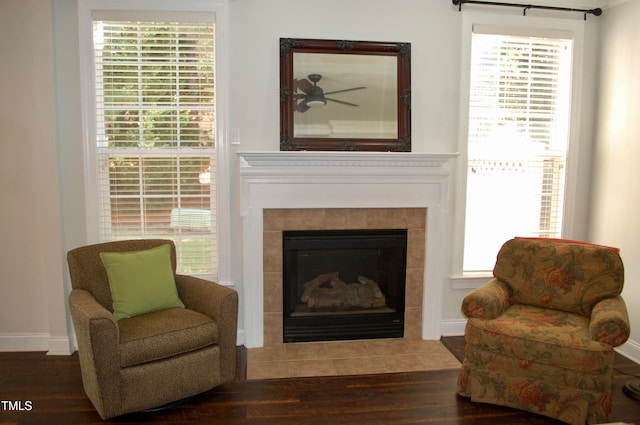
(32, 313)
(430, 26)
(616, 188)
(42, 210)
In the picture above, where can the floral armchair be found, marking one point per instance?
(540, 335)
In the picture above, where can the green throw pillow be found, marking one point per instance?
(141, 281)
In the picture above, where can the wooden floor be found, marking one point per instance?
(52, 387)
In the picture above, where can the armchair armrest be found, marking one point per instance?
(610, 321)
(487, 301)
(93, 323)
(98, 338)
(221, 304)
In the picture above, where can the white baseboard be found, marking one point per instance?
(452, 327)
(37, 342)
(62, 346)
(631, 350)
(240, 338)
(24, 342)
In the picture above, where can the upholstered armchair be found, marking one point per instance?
(151, 359)
(540, 335)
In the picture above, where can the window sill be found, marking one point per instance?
(469, 281)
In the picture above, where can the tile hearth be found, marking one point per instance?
(278, 220)
(358, 357)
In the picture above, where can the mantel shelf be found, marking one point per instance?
(344, 159)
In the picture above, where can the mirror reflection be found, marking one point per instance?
(345, 96)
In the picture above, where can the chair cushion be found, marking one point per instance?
(557, 274)
(165, 333)
(540, 335)
(141, 281)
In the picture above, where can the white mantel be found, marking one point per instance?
(304, 179)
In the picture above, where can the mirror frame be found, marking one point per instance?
(290, 46)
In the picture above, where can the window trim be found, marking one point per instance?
(220, 8)
(537, 25)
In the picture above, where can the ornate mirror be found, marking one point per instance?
(345, 95)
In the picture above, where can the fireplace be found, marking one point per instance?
(344, 284)
(282, 191)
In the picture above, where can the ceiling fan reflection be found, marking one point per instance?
(313, 96)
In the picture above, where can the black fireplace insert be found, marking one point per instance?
(344, 284)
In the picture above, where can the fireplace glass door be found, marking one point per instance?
(344, 284)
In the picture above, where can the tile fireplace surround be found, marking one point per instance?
(310, 190)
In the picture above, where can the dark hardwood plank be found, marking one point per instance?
(53, 386)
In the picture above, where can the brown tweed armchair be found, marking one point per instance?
(155, 358)
(540, 335)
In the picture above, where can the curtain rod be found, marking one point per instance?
(525, 7)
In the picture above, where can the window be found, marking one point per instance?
(517, 141)
(154, 131)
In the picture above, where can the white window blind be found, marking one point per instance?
(517, 141)
(155, 135)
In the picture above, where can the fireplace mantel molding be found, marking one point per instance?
(343, 159)
(301, 179)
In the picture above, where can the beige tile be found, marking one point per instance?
(414, 287)
(360, 365)
(415, 248)
(346, 358)
(272, 251)
(413, 323)
(404, 363)
(337, 218)
(272, 292)
(273, 329)
(419, 346)
(438, 357)
(356, 218)
(305, 219)
(268, 370)
(416, 218)
(273, 219)
(384, 218)
(346, 349)
(266, 354)
(306, 351)
(387, 347)
(433, 355)
(276, 220)
(300, 368)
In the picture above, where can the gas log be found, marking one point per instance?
(328, 291)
